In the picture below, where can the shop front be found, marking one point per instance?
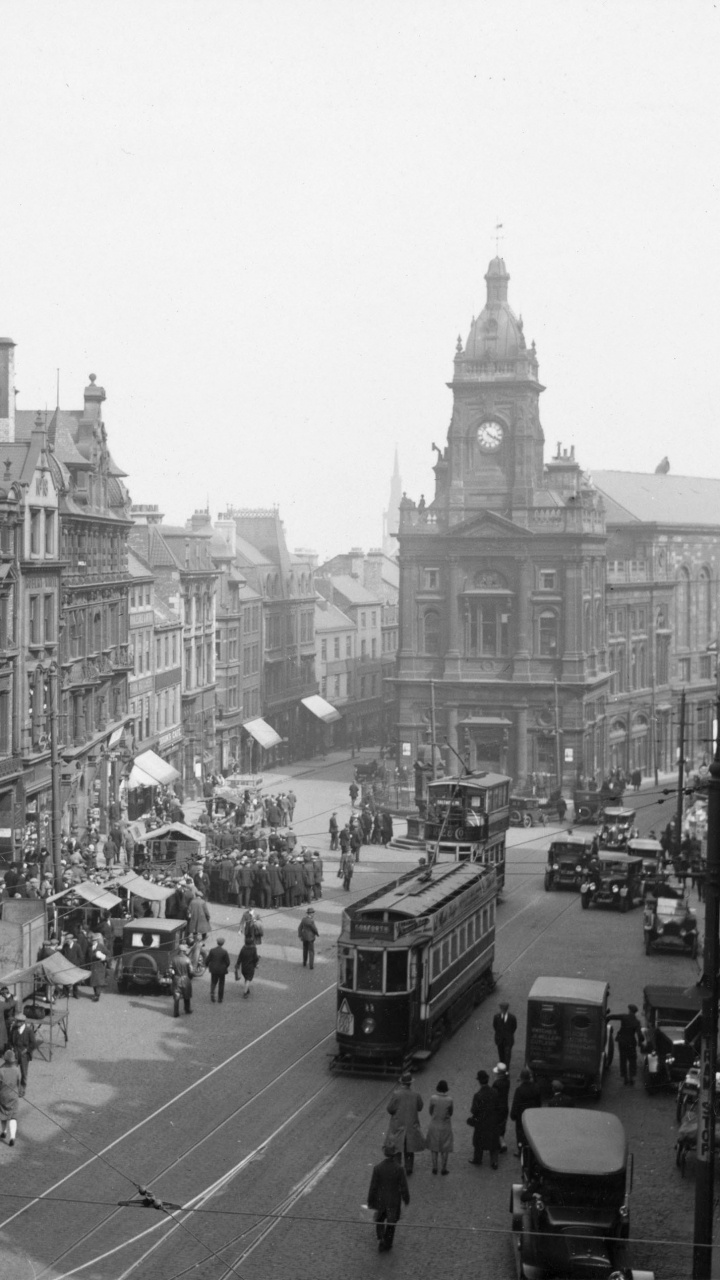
(321, 716)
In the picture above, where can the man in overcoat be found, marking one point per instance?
(218, 963)
(404, 1132)
(485, 1113)
(504, 1028)
(388, 1191)
(22, 1040)
(181, 985)
(629, 1039)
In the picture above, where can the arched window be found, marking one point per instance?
(682, 609)
(548, 634)
(431, 631)
(704, 607)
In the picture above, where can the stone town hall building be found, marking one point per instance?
(510, 576)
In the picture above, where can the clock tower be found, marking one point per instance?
(494, 455)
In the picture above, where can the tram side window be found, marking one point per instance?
(369, 971)
(485, 920)
(347, 959)
(492, 913)
(454, 947)
(436, 962)
(471, 931)
(463, 939)
(397, 969)
(445, 953)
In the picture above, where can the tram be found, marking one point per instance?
(467, 819)
(414, 957)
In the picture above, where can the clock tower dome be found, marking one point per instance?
(494, 455)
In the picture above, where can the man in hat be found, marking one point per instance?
(218, 963)
(504, 1028)
(485, 1114)
(334, 830)
(558, 1096)
(317, 867)
(181, 984)
(11, 1089)
(629, 1039)
(386, 1195)
(23, 1041)
(307, 933)
(526, 1096)
(404, 1132)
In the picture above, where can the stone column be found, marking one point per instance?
(452, 656)
(521, 755)
(523, 647)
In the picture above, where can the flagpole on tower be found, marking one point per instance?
(498, 238)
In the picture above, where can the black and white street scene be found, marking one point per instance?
(359, 626)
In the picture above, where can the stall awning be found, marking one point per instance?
(263, 733)
(150, 771)
(320, 708)
(143, 888)
(97, 894)
(172, 830)
(56, 969)
(115, 736)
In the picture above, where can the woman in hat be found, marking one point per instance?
(501, 1085)
(440, 1131)
(9, 1096)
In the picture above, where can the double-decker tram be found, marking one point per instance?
(467, 820)
(414, 957)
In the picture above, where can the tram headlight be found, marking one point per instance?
(368, 1026)
(578, 868)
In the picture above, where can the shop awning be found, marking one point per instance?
(263, 733)
(320, 708)
(97, 894)
(150, 771)
(115, 736)
(56, 969)
(143, 888)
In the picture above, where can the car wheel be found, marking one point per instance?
(547, 882)
(143, 970)
(585, 901)
(527, 820)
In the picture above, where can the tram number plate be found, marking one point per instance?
(345, 1021)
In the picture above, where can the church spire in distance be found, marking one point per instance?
(391, 517)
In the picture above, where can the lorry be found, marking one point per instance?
(568, 1036)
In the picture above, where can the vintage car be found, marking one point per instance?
(526, 811)
(617, 827)
(653, 861)
(571, 1213)
(668, 922)
(587, 805)
(613, 880)
(667, 1055)
(568, 860)
(568, 1037)
(149, 947)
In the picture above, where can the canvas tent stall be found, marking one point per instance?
(170, 849)
(45, 1013)
(74, 905)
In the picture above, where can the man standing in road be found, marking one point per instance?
(388, 1191)
(334, 829)
(504, 1028)
(218, 963)
(353, 789)
(181, 985)
(317, 875)
(404, 1130)
(629, 1039)
(307, 933)
(22, 1040)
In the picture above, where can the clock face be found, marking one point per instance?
(490, 435)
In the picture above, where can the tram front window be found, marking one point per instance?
(369, 970)
(347, 964)
(397, 966)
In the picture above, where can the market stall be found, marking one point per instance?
(80, 904)
(42, 1008)
(169, 850)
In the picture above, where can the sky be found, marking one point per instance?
(263, 226)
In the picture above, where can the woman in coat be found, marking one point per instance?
(247, 962)
(404, 1131)
(485, 1114)
(9, 1096)
(440, 1131)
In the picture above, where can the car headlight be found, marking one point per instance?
(368, 1026)
(556, 866)
(578, 868)
(615, 889)
(592, 887)
(669, 1060)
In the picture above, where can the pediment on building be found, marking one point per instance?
(488, 524)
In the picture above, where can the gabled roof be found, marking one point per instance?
(332, 619)
(150, 544)
(633, 497)
(138, 566)
(353, 591)
(164, 615)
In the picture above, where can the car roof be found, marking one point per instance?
(572, 990)
(571, 838)
(152, 924)
(615, 855)
(612, 811)
(575, 1141)
(659, 997)
(643, 845)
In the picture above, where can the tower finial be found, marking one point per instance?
(498, 238)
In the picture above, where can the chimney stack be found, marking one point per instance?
(7, 390)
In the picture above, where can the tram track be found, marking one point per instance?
(101, 1240)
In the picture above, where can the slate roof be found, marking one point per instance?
(332, 619)
(353, 590)
(632, 497)
(150, 544)
(138, 567)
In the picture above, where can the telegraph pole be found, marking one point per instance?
(432, 727)
(681, 777)
(56, 832)
(710, 987)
